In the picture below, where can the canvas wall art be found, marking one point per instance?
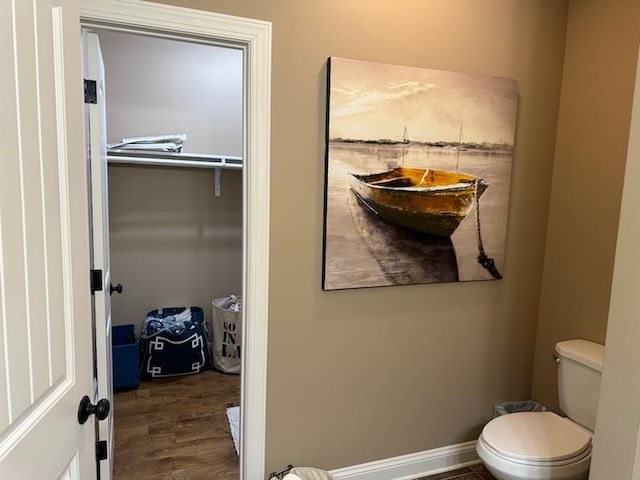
(418, 170)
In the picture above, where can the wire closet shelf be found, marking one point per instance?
(172, 159)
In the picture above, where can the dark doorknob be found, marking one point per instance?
(86, 409)
(117, 288)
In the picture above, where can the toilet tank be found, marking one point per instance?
(579, 372)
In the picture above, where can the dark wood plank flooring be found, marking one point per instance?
(176, 429)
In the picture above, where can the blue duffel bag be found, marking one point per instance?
(174, 342)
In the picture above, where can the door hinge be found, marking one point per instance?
(102, 452)
(96, 281)
(90, 91)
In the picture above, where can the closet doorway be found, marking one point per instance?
(252, 39)
(175, 224)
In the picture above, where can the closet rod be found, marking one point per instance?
(174, 159)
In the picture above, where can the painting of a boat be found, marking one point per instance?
(417, 175)
(429, 201)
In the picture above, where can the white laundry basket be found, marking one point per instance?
(226, 322)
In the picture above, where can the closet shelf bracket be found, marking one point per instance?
(217, 172)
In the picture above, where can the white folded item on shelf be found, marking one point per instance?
(164, 147)
(171, 142)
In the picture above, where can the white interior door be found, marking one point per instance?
(45, 328)
(96, 139)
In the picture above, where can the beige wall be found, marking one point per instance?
(162, 86)
(361, 375)
(593, 127)
(173, 242)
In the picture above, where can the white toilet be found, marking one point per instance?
(544, 445)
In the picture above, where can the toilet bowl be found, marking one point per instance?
(544, 445)
(535, 446)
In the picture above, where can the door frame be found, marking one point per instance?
(254, 37)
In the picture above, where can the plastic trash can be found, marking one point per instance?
(126, 357)
(519, 406)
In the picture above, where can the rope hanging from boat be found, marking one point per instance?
(486, 262)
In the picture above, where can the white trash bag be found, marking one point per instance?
(308, 473)
(303, 473)
(226, 320)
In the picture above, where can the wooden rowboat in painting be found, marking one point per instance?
(429, 201)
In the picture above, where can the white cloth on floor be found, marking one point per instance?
(233, 415)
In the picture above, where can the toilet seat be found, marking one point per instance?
(544, 464)
(504, 468)
(536, 439)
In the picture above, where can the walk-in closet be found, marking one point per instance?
(175, 232)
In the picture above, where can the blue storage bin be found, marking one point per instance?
(126, 357)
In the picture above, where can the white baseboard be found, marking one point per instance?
(413, 465)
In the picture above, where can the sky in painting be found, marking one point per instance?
(373, 101)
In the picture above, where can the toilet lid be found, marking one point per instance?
(536, 436)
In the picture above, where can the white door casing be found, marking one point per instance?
(616, 444)
(95, 121)
(254, 37)
(45, 327)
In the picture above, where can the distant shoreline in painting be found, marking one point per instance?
(407, 121)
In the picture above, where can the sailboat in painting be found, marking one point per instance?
(405, 136)
(459, 147)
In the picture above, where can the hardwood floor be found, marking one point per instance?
(176, 429)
